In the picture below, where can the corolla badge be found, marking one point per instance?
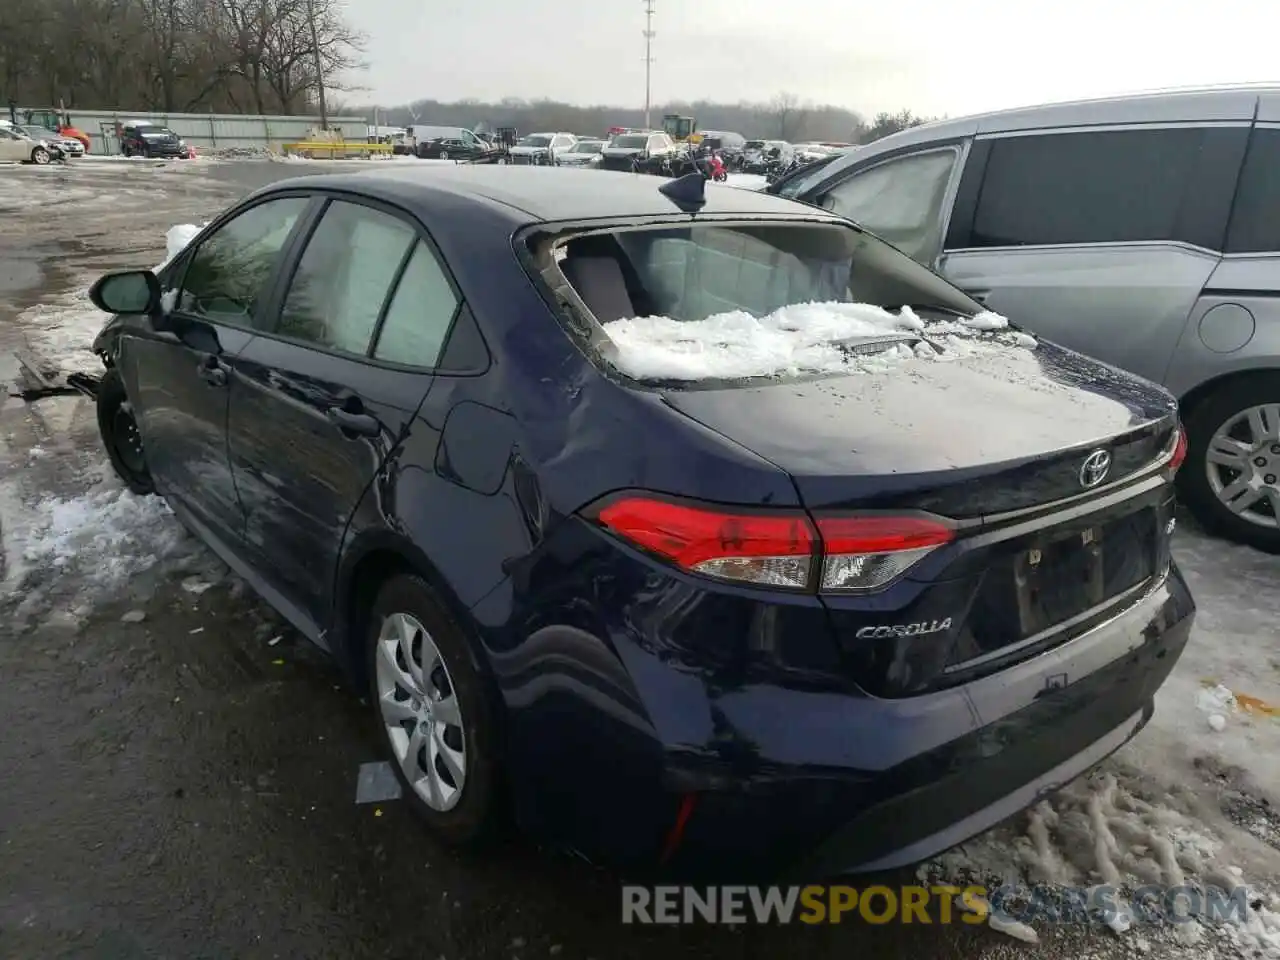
(1095, 468)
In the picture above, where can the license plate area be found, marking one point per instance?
(1062, 576)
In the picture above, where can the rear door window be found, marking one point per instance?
(1255, 223)
(1110, 186)
(344, 277)
(900, 200)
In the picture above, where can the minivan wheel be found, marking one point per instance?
(120, 435)
(433, 713)
(1231, 480)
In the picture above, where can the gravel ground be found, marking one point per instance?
(179, 767)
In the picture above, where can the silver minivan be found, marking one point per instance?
(1143, 230)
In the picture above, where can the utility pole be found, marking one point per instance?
(648, 62)
(315, 49)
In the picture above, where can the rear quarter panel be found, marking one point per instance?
(1234, 326)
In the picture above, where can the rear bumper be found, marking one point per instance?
(804, 783)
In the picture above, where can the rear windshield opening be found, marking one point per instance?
(719, 301)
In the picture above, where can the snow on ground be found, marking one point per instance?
(1195, 797)
(794, 339)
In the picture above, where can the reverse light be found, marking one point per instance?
(777, 548)
(866, 553)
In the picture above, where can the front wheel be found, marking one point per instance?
(40, 156)
(1231, 478)
(120, 435)
(444, 154)
(433, 712)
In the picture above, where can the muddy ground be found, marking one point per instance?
(179, 769)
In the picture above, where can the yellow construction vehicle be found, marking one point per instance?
(680, 129)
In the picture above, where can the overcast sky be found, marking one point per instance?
(933, 56)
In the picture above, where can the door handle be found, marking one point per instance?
(213, 372)
(362, 424)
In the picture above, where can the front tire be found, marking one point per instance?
(40, 157)
(433, 713)
(1231, 479)
(119, 430)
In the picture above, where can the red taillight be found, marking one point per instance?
(1179, 449)
(777, 549)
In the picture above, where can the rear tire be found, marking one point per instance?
(1202, 484)
(120, 435)
(434, 721)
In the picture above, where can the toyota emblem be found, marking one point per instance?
(1095, 468)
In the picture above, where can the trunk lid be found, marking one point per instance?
(998, 431)
(973, 440)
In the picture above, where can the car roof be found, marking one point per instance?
(537, 194)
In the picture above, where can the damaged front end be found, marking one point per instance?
(36, 380)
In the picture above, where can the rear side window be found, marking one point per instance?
(1255, 224)
(901, 200)
(1095, 187)
(421, 311)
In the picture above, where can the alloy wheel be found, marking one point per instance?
(420, 711)
(1242, 462)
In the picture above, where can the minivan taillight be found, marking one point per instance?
(779, 548)
(1179, 448)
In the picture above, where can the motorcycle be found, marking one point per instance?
(717, 169)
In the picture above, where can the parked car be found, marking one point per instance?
(809, 152)
(541, 148)
(584, 153)
(729, 145)
(143, 139)
(66, 146)
(627, 151)
(1150, 241)
(455, 148)
(761, 156)
(831, 621)
(16, 146)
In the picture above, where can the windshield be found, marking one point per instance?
(39, 133)
(587, 146)
(155, 132)
(754, 145)
(630, 142)
(689, 286)
(536, 140)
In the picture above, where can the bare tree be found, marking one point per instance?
(788, 115)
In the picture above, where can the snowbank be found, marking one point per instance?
(795, 339)
(176, 239)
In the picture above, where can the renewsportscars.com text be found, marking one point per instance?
(817, 904)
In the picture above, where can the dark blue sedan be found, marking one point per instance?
(699, 528)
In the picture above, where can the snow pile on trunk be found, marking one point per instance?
(792, 340)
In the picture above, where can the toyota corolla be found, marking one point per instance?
(694, 526)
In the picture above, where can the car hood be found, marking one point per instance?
(1000, 430)
(622, 151)
(524, 150)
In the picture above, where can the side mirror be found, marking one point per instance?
(127, 292)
